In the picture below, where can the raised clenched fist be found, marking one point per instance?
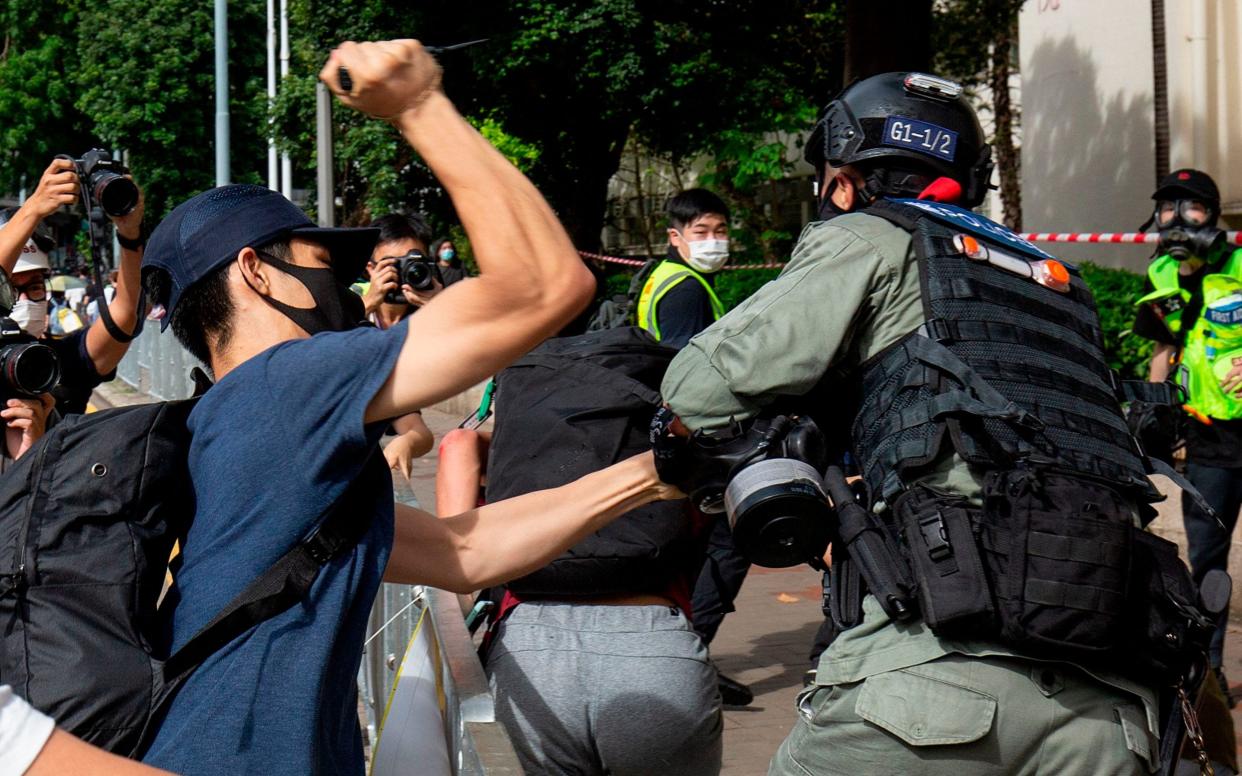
(384, 79)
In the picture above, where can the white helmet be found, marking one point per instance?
(32, 258)
(34, 254)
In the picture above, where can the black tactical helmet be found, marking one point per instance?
(912, 121)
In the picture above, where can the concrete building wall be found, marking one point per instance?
(1088, 157)
(1205, 93)
(1088, 154)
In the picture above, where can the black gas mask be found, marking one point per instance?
(1187, 229)
(766, 475)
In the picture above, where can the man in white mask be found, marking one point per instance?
(678, 299)
(87, 356)
(677, 302)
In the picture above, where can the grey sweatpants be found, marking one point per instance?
(618, 690)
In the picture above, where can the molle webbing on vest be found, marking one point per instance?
(1004, 369)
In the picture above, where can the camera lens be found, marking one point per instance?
(116, 194)
(28, 369)
(417, 275)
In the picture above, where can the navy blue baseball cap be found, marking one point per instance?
(210, 229)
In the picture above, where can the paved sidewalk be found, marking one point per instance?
(765, 644)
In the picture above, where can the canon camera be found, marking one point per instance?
(27, 367)
(766, 476)
(417, 271)
(104, 180)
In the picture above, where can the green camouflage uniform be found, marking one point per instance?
(893, 697)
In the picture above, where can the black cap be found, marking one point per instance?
(1188, 184)
(211, 228)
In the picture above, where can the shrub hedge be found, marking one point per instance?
(1115, 291)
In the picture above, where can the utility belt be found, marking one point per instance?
(1053, 565)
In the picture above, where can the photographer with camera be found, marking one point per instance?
(388, 301)
(400, 276)
(88, 356)
(288, 432)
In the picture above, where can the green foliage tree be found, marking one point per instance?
(568, 82)
(146, 79)
(976, 43)
(131, 74)
(41, 118)
(1115, 291)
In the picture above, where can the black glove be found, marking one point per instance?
(671, 451)
(702, 464)
(1159, 428)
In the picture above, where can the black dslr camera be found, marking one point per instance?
(105, 182)
(417, 271)
(27, 367)
(767, 476)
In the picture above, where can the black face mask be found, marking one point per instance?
(827, 208)
(336, 307)
(1184, 242)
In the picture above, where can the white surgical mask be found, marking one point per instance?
(31, 316)
(707, 255)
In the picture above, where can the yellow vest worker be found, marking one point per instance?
(678, 300)
(1193, 312)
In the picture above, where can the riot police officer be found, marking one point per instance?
(998, 634)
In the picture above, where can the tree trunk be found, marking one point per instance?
(575, 181)
(886, 35)
(1008, 161)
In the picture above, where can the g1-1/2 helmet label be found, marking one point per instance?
(920, 136)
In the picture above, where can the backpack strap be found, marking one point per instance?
(286, 582)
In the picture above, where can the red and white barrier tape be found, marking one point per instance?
(1108, 237)
(1046, 237)
(637, 263)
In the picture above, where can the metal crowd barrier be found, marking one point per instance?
(411, 629)
(157, 365)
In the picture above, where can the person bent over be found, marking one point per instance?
(593, 660)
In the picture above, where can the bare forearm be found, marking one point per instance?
(65, 754)
(14, 234)
(105, 351)
(510, 538)
(1160, 363)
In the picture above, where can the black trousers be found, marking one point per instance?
(1209, 544)
(720, 580)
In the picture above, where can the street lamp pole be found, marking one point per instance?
(222, 92)
(286, 164)
(273, 170)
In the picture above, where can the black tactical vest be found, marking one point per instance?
(1004, 370)
(1008, 372)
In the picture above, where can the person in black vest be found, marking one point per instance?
(989, 435)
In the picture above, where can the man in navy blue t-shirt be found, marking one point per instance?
(259, 294)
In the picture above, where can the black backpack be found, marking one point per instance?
(572, 406)
(622, 309)
(88, 518)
